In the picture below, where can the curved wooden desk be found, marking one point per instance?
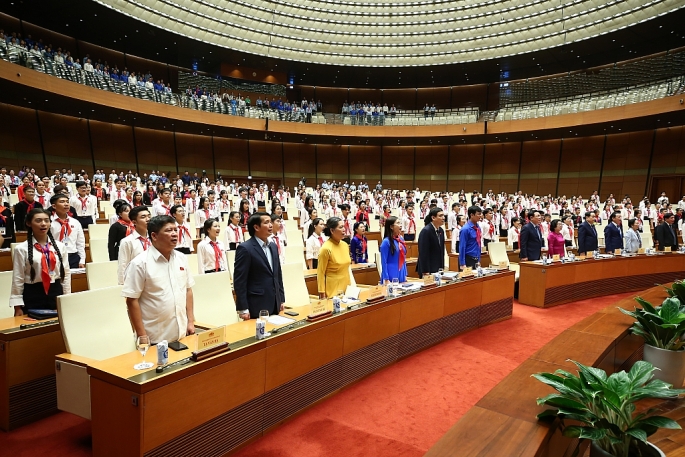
(551, 285)
(214, 405)
(503, 422)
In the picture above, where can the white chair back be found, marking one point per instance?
(192, 264)
(95, 323)
(372, 248)
(98, 250)
(296, 293)
(101, 275)
(647, 241)
(353, 282)
(295, 254)
(230, 262)
(213, 300)
(379, 267)
(295, 238)
(5, 287)
(498, 253)
(98, 231)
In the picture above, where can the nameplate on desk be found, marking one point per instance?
(581, 257)
(201, 354)
(641, 250)
(319, 307)
(503, 265)
(320, 315)
(466, 272)
(555, 257)
(667, 248)
(210, 338)
(617, 251)
(428, 280)
(376, 294)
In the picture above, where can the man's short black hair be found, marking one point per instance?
(255, 219)
(474, 210)
(157, 223)
(133, 214)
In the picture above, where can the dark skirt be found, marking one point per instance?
(410, 237)
(35, 298)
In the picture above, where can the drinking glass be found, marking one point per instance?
(395, 287)
(143, 344)
(544, 259)
(264, 317)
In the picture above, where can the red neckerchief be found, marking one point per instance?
(47, 260)
(236, 230)
(98, 193)
(217, 255)
(320, 240)
(41, 200)
(278, 244)
(206, 213)
(182, 228)
(128, 225)
(167, 209)
(478, 234)
(84, 203)
(65, 229)
(145, 242)
(30, 205)
(403, 250)
(347, 228)
(363, 240)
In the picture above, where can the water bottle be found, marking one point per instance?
(336, 304)
(162, 353)
(261, 329)
(438, 278)
(595, 255)
(479, 270)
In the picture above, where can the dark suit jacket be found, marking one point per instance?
(20, 211)
(666, 236)
(256, 286)
(587, 238)
(117, 232)
(613, 238)
(431, 250)
(531, 242)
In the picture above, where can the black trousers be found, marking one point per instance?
(35, 297)
(315, 264)
(503, 232)
(568, 243)
(186, 251)
(347, 239)
(410, 237)
(74, 259)
(84, 221)
(486, 242)
(471, 261)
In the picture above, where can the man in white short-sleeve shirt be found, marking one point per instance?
(158, 286)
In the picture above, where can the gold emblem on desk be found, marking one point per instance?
(210, 343)
(319, 311)
(641, 250)
(503, 265)
(555, 258)
(466, 272)
(617, 251)
(667, 248)
(581, 257)
(319, 307)
(428, 280)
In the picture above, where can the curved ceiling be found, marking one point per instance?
(392, 33)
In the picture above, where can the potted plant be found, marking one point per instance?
(662, 328)
(605, 407)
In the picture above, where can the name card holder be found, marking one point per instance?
(555, 258)
(503, 265)
(202, 354)
(318, 316)
(667, 248)
(467, 272)
(581, 257)
(641, 250)
(375, 295)
(617, 251)
(428, 281)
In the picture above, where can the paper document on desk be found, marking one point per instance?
(75, 271)
(279, 320)
(449, 274)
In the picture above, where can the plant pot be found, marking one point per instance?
(651, 451)
(671, 364)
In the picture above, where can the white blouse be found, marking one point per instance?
(234, 235)
(206, 257)
(313, 246)
(21, 271)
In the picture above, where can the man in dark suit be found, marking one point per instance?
(613, 234)
(666, 234)
(587, 234)
(432, 243)
(257, 277)
(531, 238)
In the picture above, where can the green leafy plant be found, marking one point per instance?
(605, 405)
(677, 290)
(662, 326)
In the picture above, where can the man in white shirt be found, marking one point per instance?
(119, 193)
(158, 287)
(86, 205)
(68, 231)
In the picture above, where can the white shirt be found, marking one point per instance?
(75, 241)
(185, 240)
(206, 258)
(485, 230)
(513, 236)
(234, 235)
(160, 287)
(280, 247)
(21, 271)
(117, 195)
(161, 209)
(313, 246)
(267, 252)
(90, 203)
(407, 222)
(129, 248)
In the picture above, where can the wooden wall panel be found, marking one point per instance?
(403, 99)
(155, 151)
(365, 164)
(626, 161)
(230, 157)
(306, 92)
(194, 154)
(431, 167)
(581, 161)
(106, 56)
(368, 95)
(440, 96)
(464, 96)
(398, 167)
(332, 98)
(266, 160)
(466, 167)
(300, 160)
(539, 167)
(333, 163)
(113, 146)
(20, 139)
(10, 24)
(669, 147)
(501, 167)
(49, 37)
(65, 142)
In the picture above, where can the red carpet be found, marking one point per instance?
(400, 411)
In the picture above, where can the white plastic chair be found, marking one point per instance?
(295, 254)
(213, 302)
(98, 250)
(101, 275)
(296, 293)
(5, 287)
(98, 231)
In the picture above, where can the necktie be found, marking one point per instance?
(65, 229)
(412, 226)
(402, 248)
(47, 260)
(278, 244)
(119, 195)
(347, 227)
(217, 255)
(167, 210)
(492, 229)
(145, 242)
(84, 203)
(320, 240)
(478, 235)
(41, 199)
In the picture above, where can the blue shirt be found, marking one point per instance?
(468, 243)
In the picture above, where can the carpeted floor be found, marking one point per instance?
(399, 411)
